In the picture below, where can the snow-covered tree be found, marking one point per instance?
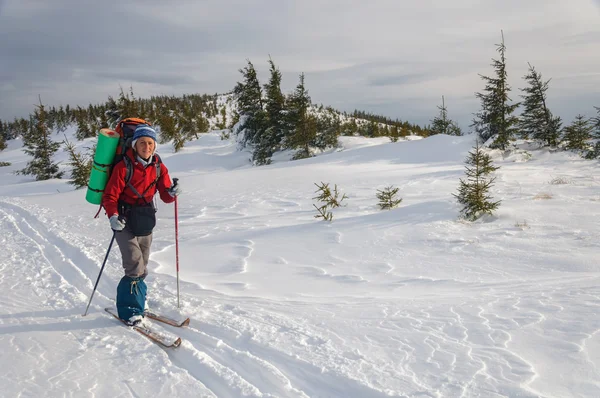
(62, 120)
(275, 107)
(537, 121)
(495, 119)
(84, 130)
(578, 134)
(303, 124)
(38, 143)
(442, 125)
(3, 134)
(248, 94)
(329, 128)
(2, 143)
(596, 124)
(473, 192)
(595, 152)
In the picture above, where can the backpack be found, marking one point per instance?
(126, 128)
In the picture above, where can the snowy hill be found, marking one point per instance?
(409, 302)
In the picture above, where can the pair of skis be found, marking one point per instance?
(160, 339)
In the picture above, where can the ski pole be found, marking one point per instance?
(100, 274)
(176, 243)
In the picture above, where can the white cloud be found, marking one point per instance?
(353, 53)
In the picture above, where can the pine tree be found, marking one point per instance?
(495, 119)
(69, 112)
(62, 120)
(303, 125)
(329, 200)
(276, 126)
(578, 134)
(38, 143)
(595, 152)
(250, 105)
(387, 198)
(81, 165)
(20, 127)
(327, 131)
(126, 105)
(537, 121)
(394, 134)
(169, 130)
(442, 125)
(112, 112)
(372, 129)
(253, 118)
(83, 126)
(596, 125)
(3, 132)
(473, 193)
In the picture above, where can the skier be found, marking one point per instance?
(128, 200)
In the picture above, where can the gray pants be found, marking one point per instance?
(135, 251)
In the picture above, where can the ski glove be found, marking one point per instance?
(116, 224)
(175, 190)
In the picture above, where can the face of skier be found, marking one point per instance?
(144, 147)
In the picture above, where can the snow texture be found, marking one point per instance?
(410, 302)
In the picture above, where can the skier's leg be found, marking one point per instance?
(131, 291)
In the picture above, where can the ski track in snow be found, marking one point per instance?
(204, 357)
(432, 340)
(46, 264)
(236, 358)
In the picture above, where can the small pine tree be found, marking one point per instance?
(495, 118)
(473, 193)
(81, 165)
(578, 134)
(329, 200)
(442, 125)
(537, 121)
(38, 143)
(387, 198)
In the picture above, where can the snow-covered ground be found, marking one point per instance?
(410, 302)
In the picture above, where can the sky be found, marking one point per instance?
(411, 302)
(395, 58)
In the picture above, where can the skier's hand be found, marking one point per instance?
(175, 190)
(116, 224)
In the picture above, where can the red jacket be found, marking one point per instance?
(141, 178)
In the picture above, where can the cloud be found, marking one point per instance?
(392, 57)
(157, 78)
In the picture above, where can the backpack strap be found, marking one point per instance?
(129, 174)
